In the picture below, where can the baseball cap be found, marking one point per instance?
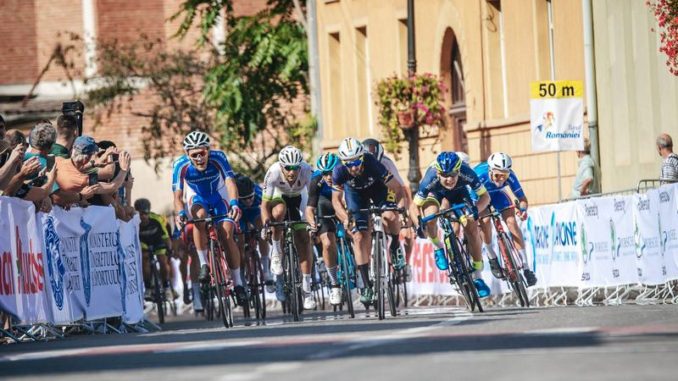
(85, 145)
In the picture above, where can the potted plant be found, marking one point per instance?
(403, 101)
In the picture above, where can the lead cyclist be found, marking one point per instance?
(202, 181)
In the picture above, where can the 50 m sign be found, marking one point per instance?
(557, 115)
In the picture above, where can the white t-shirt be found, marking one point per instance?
(391, 167)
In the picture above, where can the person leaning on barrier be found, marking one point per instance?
(669, 168)
(83, 175)
(585, 181)
(109, 154)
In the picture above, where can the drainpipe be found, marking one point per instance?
(314, 74)
(591, 93)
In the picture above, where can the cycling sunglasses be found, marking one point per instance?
(292, 167)
(325, 173)
(198, 154)
(449, 174)
(354, 163)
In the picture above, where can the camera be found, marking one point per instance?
(115, 157)
(75, 109)
(92, 178)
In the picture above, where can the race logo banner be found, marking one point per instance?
(557, 116)
(426, 278)
(537, 236)
(650, 263)
(565, 247)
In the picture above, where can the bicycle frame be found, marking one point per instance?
(292, 272)
(346, 273)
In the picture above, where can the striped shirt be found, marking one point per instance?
(670, 167)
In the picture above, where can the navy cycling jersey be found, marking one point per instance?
(318, 188)
(430, 184)
(204, 183)
(256, 204)
(483, 172)
(373, 173)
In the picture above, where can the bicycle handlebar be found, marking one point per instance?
(207, 219)
(456, 209)
(287, 223)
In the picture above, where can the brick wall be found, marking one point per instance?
(55, 20)
(18, 63)
(125, 20)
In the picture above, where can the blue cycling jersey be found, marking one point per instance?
(373, 173)
(324, 189)
(483, 172)
(204, 183)
(430, 184)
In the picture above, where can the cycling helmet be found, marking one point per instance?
(326, 162)
(448, 162)
(142, 205)
(378, 148)
(245, 186)
(464, 157)
(290, 156)
(500, 161)
(350, 149)
(196, 139)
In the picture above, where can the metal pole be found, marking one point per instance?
(412, 135)
(314, 74)
(591, 92)
(549, 10)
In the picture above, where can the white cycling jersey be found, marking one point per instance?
(276, 185)
(390, 165)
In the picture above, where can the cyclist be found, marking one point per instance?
(363, 179)
(249, 196)
(284, 197)
(447, 182)
(375, 148)
(320, 204)
(153, 233)
(496, 174)
(202, 182)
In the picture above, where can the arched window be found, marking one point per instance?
(452, 71)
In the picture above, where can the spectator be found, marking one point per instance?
(585, 182)
(109, 153)
(84, 175)
(3, 129)
(41, 139)
(7, 168)
(67, 129)
(15, 137)
(18, 177)
(669, 169)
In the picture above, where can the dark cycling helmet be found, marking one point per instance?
(326, 162)
(245, 186)
(142, 205)
(378, 148)
(448, 162)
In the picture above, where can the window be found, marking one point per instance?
(336, 85)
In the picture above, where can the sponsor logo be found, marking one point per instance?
(55, 264)
(614, 242)
(644, 204)
(664, 197)
(84, 261)
(619, 205)
(547, 122)
(586, 247)
(639, 241)
(123, 273)
(591, 211)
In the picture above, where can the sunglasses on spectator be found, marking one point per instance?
(354, 163)
(198, 154)
(292, 167)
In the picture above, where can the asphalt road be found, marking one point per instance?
(558, 343)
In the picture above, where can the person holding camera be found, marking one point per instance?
(84, 175)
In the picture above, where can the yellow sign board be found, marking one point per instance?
(556, 89)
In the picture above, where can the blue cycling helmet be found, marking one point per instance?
(326, 162)
(448, 162)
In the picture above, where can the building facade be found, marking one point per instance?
(486, 51)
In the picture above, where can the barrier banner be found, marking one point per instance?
(100, 263)
(596, 240)
(536, 234)
(565, 248)
(132, 284)
(624, 263)
(426, 278)
(668, 228)
(22, 286)
(650, 263)
(62, 275)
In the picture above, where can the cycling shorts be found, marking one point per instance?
(215, 203)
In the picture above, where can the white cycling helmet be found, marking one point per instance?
(290, 155)
(500, 161)
(378, 148)
(464, 157)
(350, 149)
(196, 139)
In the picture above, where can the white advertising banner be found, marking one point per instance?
(22, 260)
(668, 227)
(538, 242)
(100, 263)
(132, 278)
(596, 240)
(565, 247)
(647, 237)
(624, 263)
(557, 116)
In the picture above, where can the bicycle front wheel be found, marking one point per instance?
(223, 301)
(346, 276)
(158, 295)
(515, 278)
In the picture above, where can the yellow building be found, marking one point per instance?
(486, 51)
